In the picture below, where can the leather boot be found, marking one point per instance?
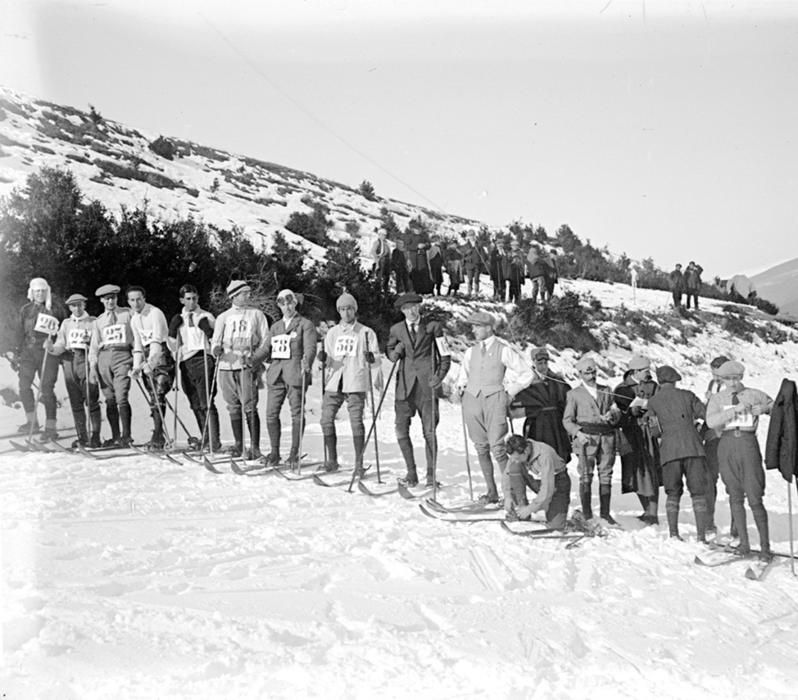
(79, 417)
(672, 513)
(253, 423)
(761, 520)
(112, 414)
(213, 428)
(585, 496)
(359, 441)
(700, 514)
(739, 520)
(331, 450)
(237, 424)
(406, 447)
(273, 429)
(605, 493)
(125, 418)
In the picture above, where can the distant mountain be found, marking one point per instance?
(174, 178)
(779, 284)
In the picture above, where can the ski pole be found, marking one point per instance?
(174, 410)
(789, 509)
(207, 397)
(323, 391)
(208, 408)
(153, 404)
(301, 420)
(178, 419)
(38, 396)
(373, 414)
(434, 399)
(468, 458)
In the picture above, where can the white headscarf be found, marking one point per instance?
(41, 283)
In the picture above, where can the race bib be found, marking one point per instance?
(238, 330)
(345, 346)
(281, 347)
(193, 339)
(741, 420)
(115, 335)
(77, 338)
(46, 324)
(443, 346)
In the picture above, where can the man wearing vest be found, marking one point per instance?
(110, 362)
(241, 332)
(190, 332)
(735, 411)
(590, 418)
(491, 374)
(72, 344)
(351, 352)
(37, 322)
(151, 358)
(424, 361)
(291, 351)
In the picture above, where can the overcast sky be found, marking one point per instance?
(657, 128)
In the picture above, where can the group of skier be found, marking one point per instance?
(666, 437)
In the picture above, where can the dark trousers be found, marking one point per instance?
(677, 297)
(694, 296)
(402, 280)
(192, 378)
(689, 469)
(30, 365)
(418, 401)
(81, 394)
(276, 396)
(383, 270)
(557, 512)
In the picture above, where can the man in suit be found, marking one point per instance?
(425, 360)
(291, 350)
(590, 417)
(676, 412)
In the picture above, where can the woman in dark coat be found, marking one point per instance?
(420, 273)
(435, 259)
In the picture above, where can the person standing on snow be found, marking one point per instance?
(490, 376)
(424, 361)
(590, 418)
(735, 411)
(350, 352)
(241, 332)
(190, 332)
(37, 323)
(677, 285)
(290, 352)
(72, 345)
(692, 282)
(110, 362)
(681, 451)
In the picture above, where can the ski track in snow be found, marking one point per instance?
(139, 578)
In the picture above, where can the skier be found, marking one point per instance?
(72, 345)
(240, 332)
(190, 332)
(490, 376)
(110, 363)
(590, 418)
(151, 358)
(735, 411)
(37, 322)
(351, 352)
(711, 440)
(425, 360)
(537, 465)
(681, 450)
(291, 351)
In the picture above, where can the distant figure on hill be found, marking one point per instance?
(435, 260)
(496, 269)
(692, 282)
(633, 274)
(399, 265)
(420, 273)
(454, 268)
(677, 285)
(552, 273)
(381, 254)
(517, 268)
(537, 268)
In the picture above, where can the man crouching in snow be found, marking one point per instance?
(537, 465)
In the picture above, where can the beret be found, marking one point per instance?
(107, 289)
(481, 318)
(237, 286)
(731, 369)
(667, 374)
(75, 298)
(639, 362)
(408, 298)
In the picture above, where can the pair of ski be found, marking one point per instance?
(24, 444)
(409, 493)
(756, 570)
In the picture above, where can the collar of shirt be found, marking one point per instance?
(197, 313)
(488, 342)
(347, 327)
(287, 319)
(82, 317)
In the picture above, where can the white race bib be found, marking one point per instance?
(443, 347)
(281, 347)
(193, 339)
(345, 346)
(238, 330)
(78, 338)
(46, 324)
(741, 420)
(115, 335)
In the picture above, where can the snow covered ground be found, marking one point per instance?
(138, 578)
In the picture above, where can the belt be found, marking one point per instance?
(737, 432)
(115, 347)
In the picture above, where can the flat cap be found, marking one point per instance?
(667, 374)
(540, 354)
(731, 369)
(481, 318)
(75, 298)
(639, 362)
(585, 362)
(107, 289)
(236, 287)
(408, 298)
(718, 361)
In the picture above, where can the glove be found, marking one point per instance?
(217, 351)
(369, 357)
(322, 356)
(399, 349)
(205, 326)
(174, 325)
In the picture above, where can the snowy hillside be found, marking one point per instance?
(114, 164)
(140, 578)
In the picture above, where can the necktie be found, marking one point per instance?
(482, 349)
(112, 317)
(735, 399)
(191, 319)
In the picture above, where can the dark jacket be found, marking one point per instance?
(781, 449)
(677, 280)
(677, 410)
(302, 343)
(544, 405)
(692, 277)
(420, 359)
(28, 339)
